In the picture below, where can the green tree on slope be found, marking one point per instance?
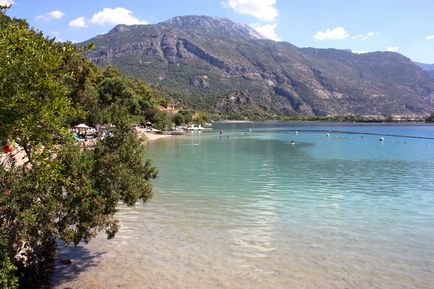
(63, 191)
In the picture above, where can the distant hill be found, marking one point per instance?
(427, 67)
(217, 65)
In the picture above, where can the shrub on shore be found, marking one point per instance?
(63, 190)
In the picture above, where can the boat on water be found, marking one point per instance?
(194, 127)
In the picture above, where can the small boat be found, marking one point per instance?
(194, 127)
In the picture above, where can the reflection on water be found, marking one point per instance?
(254, 211)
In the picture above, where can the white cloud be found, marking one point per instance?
(365, 36)
(392, 49)
(267, 30)
(117, 15)
(337, 33)
(261, 9)
(56, 14)
(360, 51)
(6, 2)
(429, 37)
(78, 22)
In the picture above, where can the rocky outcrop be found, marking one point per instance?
(202, 54)
(199, 81)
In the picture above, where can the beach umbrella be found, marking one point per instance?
(81, 125)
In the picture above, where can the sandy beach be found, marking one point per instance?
(20, 157)
(153, 136)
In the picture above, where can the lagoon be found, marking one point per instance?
(248, 209)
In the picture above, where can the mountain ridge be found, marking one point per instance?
(217, 65)
(427, 67)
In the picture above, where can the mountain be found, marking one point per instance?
(427, 67)
(217, 65)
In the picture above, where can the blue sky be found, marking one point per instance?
(404, 26)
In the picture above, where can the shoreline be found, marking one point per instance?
(153, 136)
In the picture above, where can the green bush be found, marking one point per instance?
(8, 278)
(179, 119)
(162, 120)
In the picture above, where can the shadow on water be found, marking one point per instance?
(69, 264)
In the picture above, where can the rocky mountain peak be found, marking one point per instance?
(215, 25)
(120, 28)
(194, 20)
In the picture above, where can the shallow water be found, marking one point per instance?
(255, 211)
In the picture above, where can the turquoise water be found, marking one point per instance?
(248, 209)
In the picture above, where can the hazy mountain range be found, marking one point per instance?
(217, 65)
(427, 67)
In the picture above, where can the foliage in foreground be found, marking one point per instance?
(8, 278)
(62, 190)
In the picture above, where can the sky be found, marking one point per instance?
(403, 26)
